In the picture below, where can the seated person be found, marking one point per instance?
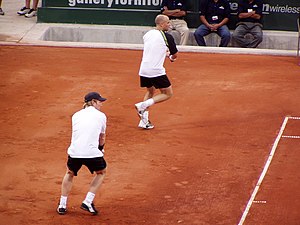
(214, 15)
(250, 22)
(176, 11)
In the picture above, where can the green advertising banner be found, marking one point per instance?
(110, 4)
(278, 14)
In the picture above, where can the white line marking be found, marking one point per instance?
(246, 211)
(260, 202)
(290, 136)
(294, 118)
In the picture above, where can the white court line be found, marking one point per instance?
(260, 202)
(294, 117)
(290, 136)
(246, 211)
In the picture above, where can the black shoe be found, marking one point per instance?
(90, 208)
(31, 13)
(61, 211)
(23, 11)
(1, 12)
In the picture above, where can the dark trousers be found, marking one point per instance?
(254, 29)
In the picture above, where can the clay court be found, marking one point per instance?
(198, 166)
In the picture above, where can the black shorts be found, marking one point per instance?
(93, 164)
(157, 82)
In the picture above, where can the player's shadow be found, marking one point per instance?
(180, 126)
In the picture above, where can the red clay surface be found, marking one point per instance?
(198, 166)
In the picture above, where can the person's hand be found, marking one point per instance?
(214, 27)
(252, 14)
(210, 26)
(171, 58)
(168, 53)
(101, 148)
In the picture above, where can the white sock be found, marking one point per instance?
(89, 198)
(149, 102)
(63, 201)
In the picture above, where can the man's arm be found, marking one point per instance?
(258, 13)
(172, 47)
(256, 16)
(204, 21)
(246, 15)
(226, 15)
(174, 12)
(251, 14)
(241, 11)
(101, 141)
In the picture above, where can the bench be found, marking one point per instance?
(282, 40)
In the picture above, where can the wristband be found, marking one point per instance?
(171, 58)
(100, 147)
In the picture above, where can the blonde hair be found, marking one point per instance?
(87, 104)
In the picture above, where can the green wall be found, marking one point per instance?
(278, 14)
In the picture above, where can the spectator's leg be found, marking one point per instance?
(257, 33)
(27, 4)
(35, 4)
(184, 31)
(224, 33)
(239, 35)
(199, 34)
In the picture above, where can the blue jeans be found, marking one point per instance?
(203, 30)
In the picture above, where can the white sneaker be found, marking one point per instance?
(61, 210)
(31, 13)
(23, 11)
(140, 108)
(145, 117)
(146, 126)
(89, 207)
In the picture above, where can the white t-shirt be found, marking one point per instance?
(87, 124)
(154, 54)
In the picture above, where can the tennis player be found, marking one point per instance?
(86, 148)
(157, 46)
